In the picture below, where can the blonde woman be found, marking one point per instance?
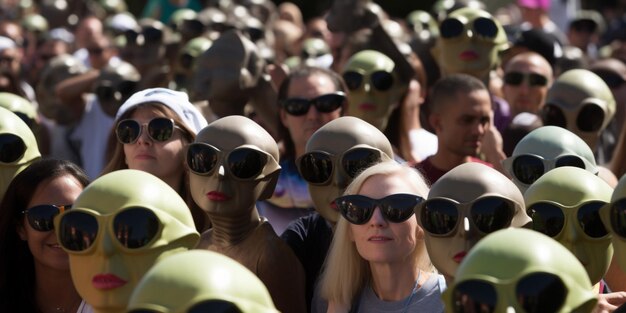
(378, 260)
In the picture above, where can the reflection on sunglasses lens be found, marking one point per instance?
(451, 28)
(353, 80)
(474, 296)
(357, 160)
(618, 217)
(12, 148)
(552, 115)
(439, 217)
(201, 159)
(316, 168)
(485, 27)
(128, 131)
(78, 231)
(41, 217)
(491, 214)
(527, 169)
(136, 227)
(161, 129)
(541, 292)
(246, 163)
(570, 160)
(547, 218)
(590, 221)
(590, 118)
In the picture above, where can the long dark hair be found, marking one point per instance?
(17, 267)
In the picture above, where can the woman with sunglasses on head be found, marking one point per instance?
(152, 128)
(378, 260)
(308, 98)
(34, 270)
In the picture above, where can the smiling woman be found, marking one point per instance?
(34, 270)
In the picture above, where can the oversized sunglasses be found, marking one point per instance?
(442, 216)
(380, 80)
(243, 163)
(617, 217)
(41, 217)
(323, 104)
(588, 117)
(613, 80)
(537, 292)
(317, 167)
(527, 168)
(12, 148)
(159, 129)
(549, 218)
(533, 79)
(484, 27)
(212, 305)
(133, 228)
(396, 208)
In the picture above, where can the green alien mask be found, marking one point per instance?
(18, 147)
(375, 89)
(469, 42)
(119, 226)
(544, 149)
(467, 203)
(200, 280)
(580, 101)
(564, 204)
(518, 270)
(614, 218)
(20, 106)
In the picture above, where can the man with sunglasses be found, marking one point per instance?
(527, 77)
(233, 163)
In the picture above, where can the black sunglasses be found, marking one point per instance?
(212, 305)
(324, 104)
(527, 168)
(380, 80)
(12, 148)
(396, 208)
(107, 92)
(442, 216)
(41, 217)
(613, 80)
(533, 79)
(160, 129)
(617, 214)
(589, 116)
(243, 163)
(549, 218)
(482, 26)
(134, 228)
(317, 167)
(537, 292)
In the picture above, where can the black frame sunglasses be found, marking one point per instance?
(41, 217)
(442, 216)
(380, 80)
(318, 167)
(160, 129)
(549, 218)
(484, 27)
(536, 292)
(396, 208)
(612, 79)
(589, 117)
(323, 104)
(527, 168)
(134, 228)
(514, 78)
(243, 163)
(12, 148)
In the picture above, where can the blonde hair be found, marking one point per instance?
(345, 272)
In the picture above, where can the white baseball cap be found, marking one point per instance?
(175, 100)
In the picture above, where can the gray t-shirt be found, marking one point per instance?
(425, 299)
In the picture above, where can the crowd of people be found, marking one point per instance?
(233, 156)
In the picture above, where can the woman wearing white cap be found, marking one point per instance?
(152, 127)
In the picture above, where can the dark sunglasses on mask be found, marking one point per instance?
(41, 217)
(212, 305)
(442, 216)
(527, 168)
(482, 26)
(380, 80)
(549, 218)
(589, 116)
(533, 79)
(147, 35)
(396, 208)
(106, 92)
(12, 148)
(537, 292)
(160, 129)
(242, 163)
(133, 228)
(617, 214)
(317, 167)
(612, 79)
(324, 104)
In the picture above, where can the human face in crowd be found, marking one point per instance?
(100, 52)
(162, 159)
(526, 81)
(462, 123)
(44, 246)
(10, 60)
(381, 241)
(302, 127)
